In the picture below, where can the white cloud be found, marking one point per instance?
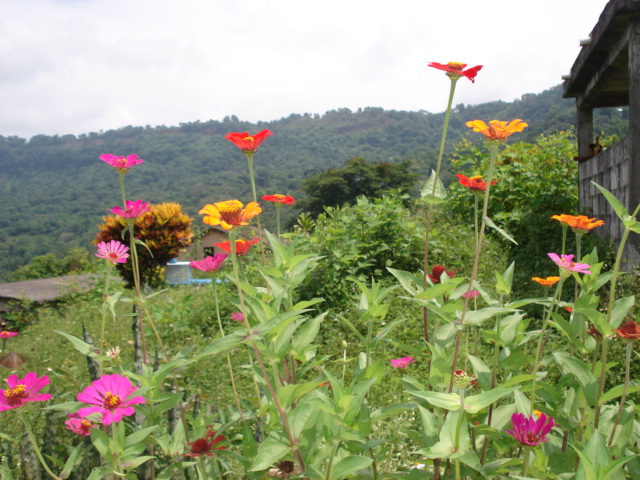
(80, 66)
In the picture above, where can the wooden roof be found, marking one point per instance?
(600, 75)
(46, 289)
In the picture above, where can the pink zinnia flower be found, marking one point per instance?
(248, 143)
(111, 396)
(401, 363)
(113, 250)
(530, 431)
(133, 209)
(210, 264)
(4, 334)
(79, 425)
(24, 390)
(566, 264)
(121, 164)
(237, 316)
(471, 294)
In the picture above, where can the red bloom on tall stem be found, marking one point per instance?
(530, 431)
(436, 273)
(279, 199)
(475, 183)
(23, 391)
(242, 246)
(629, 331)
(204, 446)
(248, 143)
(456, 70)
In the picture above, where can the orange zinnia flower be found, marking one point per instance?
(229, 214)
(579, 224)
(248, 143)
(497, 130)
(474, 183)
(242, 246)
(456, 70)
(546, 282)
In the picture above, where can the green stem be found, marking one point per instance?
(476, 259)
(283, 416)
(625, 391)
(334, 450)
(456, 440)
(536, 362)
(116, 449)
(278, 205)
(525, 462)
(104, 305)
(605, 339)
(36, 448)
(252, 178)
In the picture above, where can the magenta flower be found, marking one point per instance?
(566, 264)
(79, 425)
(4, 334)
(530, 431)
(110, 395)
(471, 294)
(237, 316)
(24, 390)
(402, 363)
(133, 209)
(210, 264)
(121, 164)
(113, 251)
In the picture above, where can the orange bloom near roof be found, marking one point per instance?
(497, 130)
(579, 224)
(230, 213)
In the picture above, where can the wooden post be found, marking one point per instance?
(585, 131)
(633, 249)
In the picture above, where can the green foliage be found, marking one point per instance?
(341, 186)
(46, 266)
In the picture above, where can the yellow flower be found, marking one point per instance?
(497, 130)
(230, 213)
(546, 282)
(580, 224)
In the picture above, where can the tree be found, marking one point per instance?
(336, 187)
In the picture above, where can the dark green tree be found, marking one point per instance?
(336, 187)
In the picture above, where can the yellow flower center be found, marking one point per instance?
(111, 401)
(230, 206)
(538, 413)
(278, 196)
(476, 178)
(15, 395)
(455, 65)
(247, 139)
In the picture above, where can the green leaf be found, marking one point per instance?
(80, 345)
(348, 466)
(409, 281)
(620, 309)
(274, 448)
(433, 191)
(504, 281)
(620, 210)
(138, 436)
(448, 401)
(490, 223)
(475, 403)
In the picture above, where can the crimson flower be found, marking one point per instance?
(530, 431)
(79, 425)
(279, 199)
(210, 264)
(567, 265)
(475, 183)
(456, 70)
(113, 251)
(248, 143)
(629, 331)
(121, 164)
(242, 246)
(111, 396)
(204, 446)
(132, 209)
(4, 334)
(402, 363)
(23, 390)
(230, 213)
(436, 273)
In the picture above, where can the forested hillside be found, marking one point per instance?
(54, 189)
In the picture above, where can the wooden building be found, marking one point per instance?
(606, 73)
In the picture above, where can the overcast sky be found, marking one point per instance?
(77, 66)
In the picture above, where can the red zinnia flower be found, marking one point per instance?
(629, 330)
(437, 271)
(456, 70)
(248, 143)
(242, 246)
(278, 199)
(203, 446)
(475, 183)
